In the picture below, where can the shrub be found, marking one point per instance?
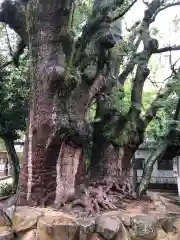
(5, 189)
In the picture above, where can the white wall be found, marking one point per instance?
(158, 176)
(19, 148)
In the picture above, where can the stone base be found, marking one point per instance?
(48, 224)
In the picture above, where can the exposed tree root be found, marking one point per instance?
(102, 196)
(94, 200)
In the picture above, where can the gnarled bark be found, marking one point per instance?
(48, 29)
(106, 186)
(81, 170)
(105, 162)
(67, 165)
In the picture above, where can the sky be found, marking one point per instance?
(165, 37)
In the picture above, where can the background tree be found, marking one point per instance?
(166, 130)
(14, 91)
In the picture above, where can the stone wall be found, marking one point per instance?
(48, 224)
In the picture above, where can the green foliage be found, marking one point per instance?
(147, 97)
(159, 127)
(20, 155)
(5, 189)
(127, 135)
(82, 9)
(2, 145)
(14, 95)
(119, 98)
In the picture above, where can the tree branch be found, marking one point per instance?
(131, 63)
(5, 64)
(99, 15)
(8, 41)
(146, 3)
(96, 87)
(150, 45)
(166, 49)
(143, 30)
(165, 7)
(124, 12)
(141, 74)
(172, 65)
(12, 14)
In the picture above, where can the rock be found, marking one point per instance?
(144, 226)
(10, 211)
(160, 220)
(173, 236)
(123, 216)
(95, 236)
(25, 218)
(176, 225)
(123, 235)
(167, 225)
(6, 233)
(29, 235)
(161, 235)
(86, 227)
(3, 221)
(126, 219)
(132, 234)
(108, 226)
(57, 226)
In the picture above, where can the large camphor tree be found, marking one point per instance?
(68, 75)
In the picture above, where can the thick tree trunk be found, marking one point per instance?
(127, 163)
(13, 159)
(67, 164)
(110, 160)
(57, 128)
(147, 171)
(105, 161)
(48, 23)
(81, 170)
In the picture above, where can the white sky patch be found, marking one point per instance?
(166, 36)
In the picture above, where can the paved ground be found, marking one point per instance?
(163, 202)
(170, 199)
(172, 202)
